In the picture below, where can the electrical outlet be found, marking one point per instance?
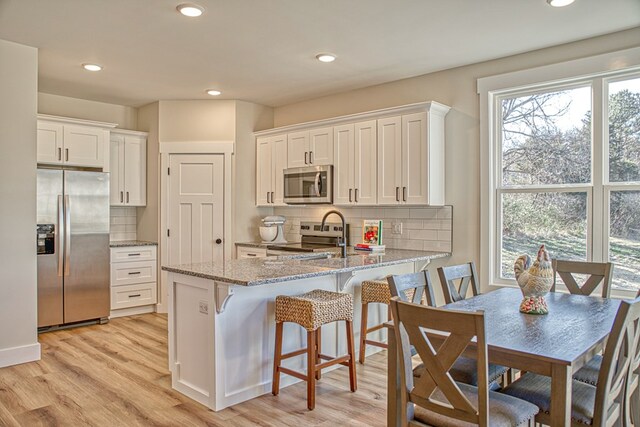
(397, 228)
(204, 307)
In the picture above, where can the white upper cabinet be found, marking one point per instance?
(271, 161)
(355, 164)
(411, 158)
(128, 158)
(73, 142)
(310, 148)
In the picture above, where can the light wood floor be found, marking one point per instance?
(116, 375)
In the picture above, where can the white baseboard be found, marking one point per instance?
(132, 311)
(17, 355)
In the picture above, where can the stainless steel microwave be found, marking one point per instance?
(308, 185)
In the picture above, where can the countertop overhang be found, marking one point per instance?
(262, 271)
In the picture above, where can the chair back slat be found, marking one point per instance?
(401, 285)
(617, 361)
(633, 381)
(600, 273)
(458, 329)
(456, 281)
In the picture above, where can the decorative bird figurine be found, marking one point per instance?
(535, 281)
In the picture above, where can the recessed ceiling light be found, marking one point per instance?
(92, 67)
(213, 92)
(326, 57)
(560, 3)
(190, 9)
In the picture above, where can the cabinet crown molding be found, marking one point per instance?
(430, 106)
(130, 132)
(71, 120)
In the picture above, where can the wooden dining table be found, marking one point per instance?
(555, 345)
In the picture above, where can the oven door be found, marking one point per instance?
(310, 185)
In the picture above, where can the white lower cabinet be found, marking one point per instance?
(133, 280)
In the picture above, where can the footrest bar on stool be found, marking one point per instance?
(294, 353)
(292, 373)
(376, 343)
(336, 361)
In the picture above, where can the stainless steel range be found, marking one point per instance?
(313, 239)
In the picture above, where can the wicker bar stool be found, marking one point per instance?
(373, 291)
(312, 310)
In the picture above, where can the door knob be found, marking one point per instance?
(218, 241)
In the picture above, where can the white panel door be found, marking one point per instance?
(389, 160)
(279, 157)
(135, 170)
(49, 143)
(263, 171)
(343, 164)
(298, 149)
(321, 146)
(196, 206)
(414, 159)
(116, 163)
(83, 146)
(366, 163)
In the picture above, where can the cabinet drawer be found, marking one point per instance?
(128, 273)
(246, 252)
(133, 253)
(133, 295)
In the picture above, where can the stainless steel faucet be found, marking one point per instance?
(343, 242)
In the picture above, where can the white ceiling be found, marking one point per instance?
(263, 50)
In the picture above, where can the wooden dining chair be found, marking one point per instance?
(609, 396)
(599, 273)
(434, 398)
(413, 286)
(632, 398)
(456, 280)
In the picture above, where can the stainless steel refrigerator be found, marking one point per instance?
(73, 246)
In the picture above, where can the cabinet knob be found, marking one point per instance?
(218, 241)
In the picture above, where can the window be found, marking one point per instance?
(563, 169)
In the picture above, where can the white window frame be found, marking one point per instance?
(595, 71)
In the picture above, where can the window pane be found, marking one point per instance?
(559, 220)
(624, 130)
(624, 239)
(546, 138)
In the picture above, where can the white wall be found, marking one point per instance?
(456, 88)
(56, 105)
(18, 280)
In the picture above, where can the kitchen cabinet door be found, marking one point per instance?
(116, 178)
(83, 146)
(278, 165)
(366, 163)
(264, 171)
(321, 146)
(298, 149)
(415, 153)
(343, 164)
(390, 160)
(49, 143)
(135, 170)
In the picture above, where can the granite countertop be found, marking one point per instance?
(127, 243)
(260, 244)
(261, 271)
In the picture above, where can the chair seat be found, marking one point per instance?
(465, 370)
(589, 373)
(314, 309)
(504, 411)
(537, 390)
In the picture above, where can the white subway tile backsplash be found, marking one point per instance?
(432, 224)
(123, 223)
(424, 213)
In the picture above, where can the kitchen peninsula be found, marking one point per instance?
(221, 317)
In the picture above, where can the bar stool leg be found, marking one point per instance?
(363, 331)
(311, 370)
(352, 360)
(277, 359)
(318, 350)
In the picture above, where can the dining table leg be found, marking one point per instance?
(561, 390)
(393, 380)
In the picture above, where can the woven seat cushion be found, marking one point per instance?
(378, 291)
(504, 411)
(313, 309)
(589, 373)
(465, 371)
(537, 390)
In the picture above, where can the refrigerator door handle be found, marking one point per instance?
(60, 235)
(67, 236)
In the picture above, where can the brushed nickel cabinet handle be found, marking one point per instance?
(310, 157)
(122, 197)
(66, 154)
(127, 197)
(272, 197)
(305, 158)
(356, 195)
(268, 201)
(59, 153)
(134, 254)
(131, 273)
(404, 194)
(134, 295)
(349, 194)
(397, 194)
